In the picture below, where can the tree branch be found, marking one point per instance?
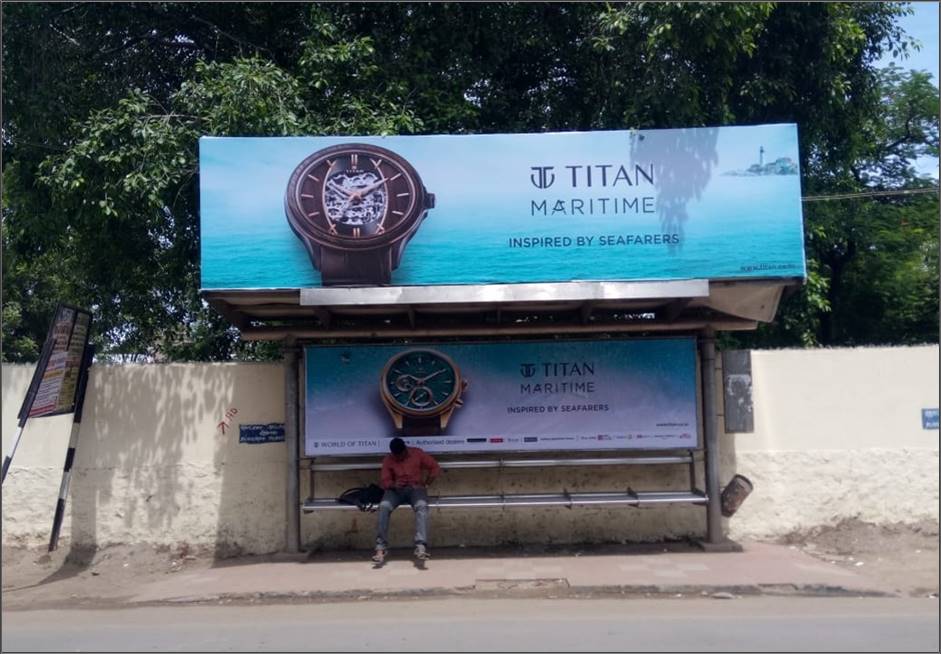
(231, 37)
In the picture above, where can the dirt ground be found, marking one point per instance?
(87, 576)
(902, 559)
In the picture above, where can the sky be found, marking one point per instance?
(922, 25)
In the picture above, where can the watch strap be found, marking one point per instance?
(421, 426)
(350, 268)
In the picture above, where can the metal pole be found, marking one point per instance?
(292, 532)
(73, 443)
(713, 506)
(9, 459)
(64, 486)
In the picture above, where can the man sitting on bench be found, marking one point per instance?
(406, 472)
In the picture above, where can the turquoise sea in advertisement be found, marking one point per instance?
(713, 203)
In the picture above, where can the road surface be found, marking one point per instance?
(791, 624)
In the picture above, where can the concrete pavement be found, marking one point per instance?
(630, 569)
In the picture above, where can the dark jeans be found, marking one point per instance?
(417, 498)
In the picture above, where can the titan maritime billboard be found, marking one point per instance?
(519, 396)
(302, 212)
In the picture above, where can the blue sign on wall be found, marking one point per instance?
(704, 203)
(929, 419)
(270, 433)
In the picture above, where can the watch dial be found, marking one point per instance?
(354, 198)
(355, 192)
(420, 380)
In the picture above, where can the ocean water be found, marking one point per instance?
(734, 227)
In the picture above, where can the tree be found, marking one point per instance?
(111, 222)
(65, 64)
(100, 162)
(873, 251)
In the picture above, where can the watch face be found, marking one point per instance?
(421, 382)
(355, 196)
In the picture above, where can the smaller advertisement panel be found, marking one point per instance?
(491, 397)
(52, 390)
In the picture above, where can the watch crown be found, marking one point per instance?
(429, 200)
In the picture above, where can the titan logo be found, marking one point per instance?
(527, 369)
(542, 176)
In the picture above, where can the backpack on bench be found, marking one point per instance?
(365, 498)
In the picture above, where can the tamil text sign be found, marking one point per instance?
(519, 396)
(708, 203)
(269, 433)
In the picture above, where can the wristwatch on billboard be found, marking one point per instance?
(421, 389)
(355, 207)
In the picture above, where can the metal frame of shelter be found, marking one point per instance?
(368, 314)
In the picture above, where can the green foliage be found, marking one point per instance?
(103, 105)
(873, 261)
(346, 85)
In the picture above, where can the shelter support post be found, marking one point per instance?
(711, 437)
(292, 505)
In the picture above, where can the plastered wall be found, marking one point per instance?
(153, 463)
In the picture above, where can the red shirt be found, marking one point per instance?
(408, 471)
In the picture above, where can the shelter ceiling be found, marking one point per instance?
(505, 309)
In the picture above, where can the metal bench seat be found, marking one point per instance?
(516, 463)
(627, 497)
(638, 498)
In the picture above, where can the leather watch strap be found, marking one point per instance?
(351, 268)
(425, 426)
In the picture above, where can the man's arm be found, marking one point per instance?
(428, 462)
(387, 479)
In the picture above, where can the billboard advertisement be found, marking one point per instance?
(55, 380)
(512, 396)
(308, 212)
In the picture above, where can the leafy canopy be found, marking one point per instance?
(103, 105)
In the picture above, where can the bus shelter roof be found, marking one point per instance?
(580, 307)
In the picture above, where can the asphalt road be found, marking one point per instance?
(790, 624)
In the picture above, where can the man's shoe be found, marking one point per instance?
(379, 556)
(421, 552)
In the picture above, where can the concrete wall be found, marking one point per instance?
(152, 463)
(837, 435)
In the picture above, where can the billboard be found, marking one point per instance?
(53, 388)
(491, 397)
(306, 212)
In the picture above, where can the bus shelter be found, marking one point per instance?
(518, 298)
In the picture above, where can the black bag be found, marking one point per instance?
(365, 498)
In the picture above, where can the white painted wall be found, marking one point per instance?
(152, 464)
(843, 399)
(838, 435)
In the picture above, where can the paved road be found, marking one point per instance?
(745, 624)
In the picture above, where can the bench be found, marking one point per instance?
(628, 496)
